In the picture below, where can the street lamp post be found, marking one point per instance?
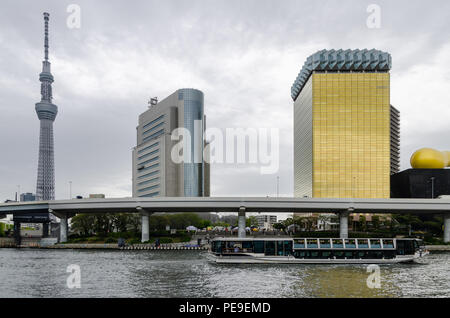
(432, 187)
(70, 190)
(278, 186)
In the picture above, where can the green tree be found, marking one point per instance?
(83, 224)
(306, 222)
(362, 223)
(134, 222)
(103, 224)
(279, 226)
(288, 222)
(251, 221)
(376, 222)
(206, 223)
(408, 221)
(121, 221)
(223, 224)
(159, 222)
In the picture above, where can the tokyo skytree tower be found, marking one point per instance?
(46, 112)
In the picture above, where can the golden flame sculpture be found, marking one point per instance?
(427, 158)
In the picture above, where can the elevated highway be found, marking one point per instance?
(64, 209)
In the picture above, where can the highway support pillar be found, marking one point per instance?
(45, 227)
(447, 228)
(241, 222)
(145, 228)
(343, 224)
(17, 237)
(64, 227)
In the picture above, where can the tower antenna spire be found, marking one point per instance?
(46, 19)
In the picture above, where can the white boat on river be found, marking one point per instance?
(315, 250)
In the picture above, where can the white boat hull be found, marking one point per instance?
(257, 259)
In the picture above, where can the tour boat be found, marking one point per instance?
(315, 250)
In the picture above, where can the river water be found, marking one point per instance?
(43, 273)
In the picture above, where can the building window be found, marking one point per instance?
(154, 194)
(156, 134)
(149, 154)
(150, 160)
(148, 181)
(152, 129)
(148, 174)
(149, 188)
(142, 169)
(153, 121)
(149, 147)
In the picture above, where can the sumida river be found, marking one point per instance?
(43, 273)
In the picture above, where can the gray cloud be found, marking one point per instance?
(244, 55)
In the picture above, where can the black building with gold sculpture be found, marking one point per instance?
(428, 177)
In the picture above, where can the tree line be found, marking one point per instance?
(103, 224)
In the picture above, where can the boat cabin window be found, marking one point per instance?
(247, 246)
(337, 243)
(312, 243)
(280, 248)
(363, 243)
(342, 254)
(324, 243)
(350, 243)
(299, 243)
(405, 247)
(361, 254)
(287, 248)
(348, 254)
(388, 243)
(216, 246)
(234, 247)
(375, 254)
(258, 247)
(375, 244)
(269, 248)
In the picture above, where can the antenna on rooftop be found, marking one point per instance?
(152, 102)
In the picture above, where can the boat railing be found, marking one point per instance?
(308, 243)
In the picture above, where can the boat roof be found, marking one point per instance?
(234, 239)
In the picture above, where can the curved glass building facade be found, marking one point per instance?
(193, 115)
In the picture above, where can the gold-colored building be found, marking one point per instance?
(346, 133)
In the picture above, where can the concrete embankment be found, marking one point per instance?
(438, 247)
(165, 247)
(50, 244)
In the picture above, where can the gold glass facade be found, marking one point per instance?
(351, 135)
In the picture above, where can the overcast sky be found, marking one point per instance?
(244, 55)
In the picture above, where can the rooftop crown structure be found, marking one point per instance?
(46, 112)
